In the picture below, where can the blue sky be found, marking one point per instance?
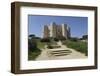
(78, 25)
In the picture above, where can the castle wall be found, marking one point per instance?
(56, 31)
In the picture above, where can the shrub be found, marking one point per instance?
(56, 39)
(49, 47)
(32, 55)
(32, 44)
(62, 38)
(33, 50)
(74, 39)
(85, 37)
(45, 40)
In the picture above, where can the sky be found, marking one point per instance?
(78, 25)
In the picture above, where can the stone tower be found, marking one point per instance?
(56, 31)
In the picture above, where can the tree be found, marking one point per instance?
(32, 43)
(85, 37)
(31, 36)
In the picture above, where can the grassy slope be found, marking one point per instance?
(33, 54)
(77, 45)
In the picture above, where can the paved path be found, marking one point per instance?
(73, 54)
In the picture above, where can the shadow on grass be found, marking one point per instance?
(33, 54)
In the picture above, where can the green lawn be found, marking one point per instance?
(42, 44)
(77, 45)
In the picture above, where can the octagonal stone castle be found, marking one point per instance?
(55, 31)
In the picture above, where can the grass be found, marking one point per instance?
(32, 55)
(77, 45)
(42, 44)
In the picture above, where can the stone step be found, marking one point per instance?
(61, 52)
(58, 50)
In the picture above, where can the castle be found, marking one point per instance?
(56, 31)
